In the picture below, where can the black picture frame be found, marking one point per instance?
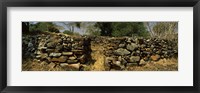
(100, 3)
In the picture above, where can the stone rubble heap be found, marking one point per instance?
(58, 49)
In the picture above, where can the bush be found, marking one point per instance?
(70, 32)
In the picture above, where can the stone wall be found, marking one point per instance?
(57, 49)
(126, 51)
(120, 52)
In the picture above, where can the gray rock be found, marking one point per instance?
(67, 53)
(121, 52)
(51, 65)
(64, 64)
(30, 44)
(72, 58)
(72, 61)
(59, 47)
(44, 56)
(51, 45)
(131, 64)
(50, 50)
(122, 45)
(131, 46)
(38, 56)
(134, 59)
(55, 54)
(38, 52)
(75, 67)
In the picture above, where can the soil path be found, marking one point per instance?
(97, 55)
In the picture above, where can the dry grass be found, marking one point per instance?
(99, 57)
(34, 65)
(161, 65)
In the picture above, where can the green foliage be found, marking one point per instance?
(70, 32)
(122, 29)
(105, 28)
(92, 30)
(43, 26)
(129, 29)
(25, 27)
(53, 29)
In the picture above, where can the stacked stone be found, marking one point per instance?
(62, 50)
(123, 52)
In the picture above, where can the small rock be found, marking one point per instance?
(72, 61)
(122, 45)
(155, 57)
(131, 46)
(67, 53)
(131, 64)
(42, 48)
(77, 51)
(51, 45)
(121, 52)
(64, 64)
(82, 59)
(60, 59)
(72, 58)
(75, 67)
(30, 44)
(59, 47)
(134, 59)
(55, 54)
(38, 56)
(52, 65)
(142, 62)
(50, 50)
(44, 56)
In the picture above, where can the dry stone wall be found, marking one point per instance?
(120, 52)
(58, 49)
(126, 51)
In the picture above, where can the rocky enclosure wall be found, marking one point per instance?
(126, 51)
(122, 52)
(57, 49)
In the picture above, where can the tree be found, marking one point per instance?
(167, 30)
(129, 29)
(105, 27)
(92, 30)
(44, 26)
(25, 27)
(72, 25)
